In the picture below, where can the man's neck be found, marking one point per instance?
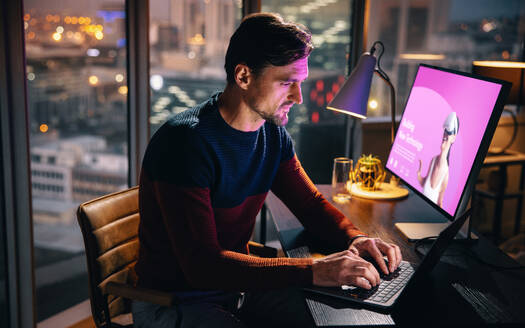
(236, 112)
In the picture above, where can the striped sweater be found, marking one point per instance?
(201, 187)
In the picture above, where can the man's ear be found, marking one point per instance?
(243, 76)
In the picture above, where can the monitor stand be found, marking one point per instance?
(414, 231)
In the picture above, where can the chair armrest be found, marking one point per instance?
(140, 294)
(261, 250)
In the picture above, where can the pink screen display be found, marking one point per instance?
(442, 127)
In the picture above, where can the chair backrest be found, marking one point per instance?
(109, 226)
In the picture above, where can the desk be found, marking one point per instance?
(503, 161)
(434, 301)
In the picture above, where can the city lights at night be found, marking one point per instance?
(77, 78)
(93, 80)
(44, 128)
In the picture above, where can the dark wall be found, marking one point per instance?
(318, 145)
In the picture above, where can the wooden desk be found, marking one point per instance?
(434, 301)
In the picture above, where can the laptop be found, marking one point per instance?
(449, 116)
(385, 295)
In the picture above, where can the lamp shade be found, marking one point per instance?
(512, 72)
(352, 98)
(504, 70)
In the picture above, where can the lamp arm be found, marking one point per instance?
(393, 179)
(385, 78)
(382, 74)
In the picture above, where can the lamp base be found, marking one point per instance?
(386, 191)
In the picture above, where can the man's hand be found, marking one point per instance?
(376, 249)
(344, 268)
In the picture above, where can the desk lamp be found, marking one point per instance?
(508, 71)
(352, 99)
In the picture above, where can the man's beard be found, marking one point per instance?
(279, 119)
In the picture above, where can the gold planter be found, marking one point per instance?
(369, 173)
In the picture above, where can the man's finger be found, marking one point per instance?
(367, 270)
(359, 282)
(377, 256)
(398, 254)
(364, 272)
(390, 253)
(373, 269)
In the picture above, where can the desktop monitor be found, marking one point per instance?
(444, 134)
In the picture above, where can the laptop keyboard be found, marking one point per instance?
(299, 252)
(390, 284)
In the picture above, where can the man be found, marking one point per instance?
(205, 176)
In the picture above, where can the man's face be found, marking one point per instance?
(276, 89)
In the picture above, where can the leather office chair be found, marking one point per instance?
(109, 226)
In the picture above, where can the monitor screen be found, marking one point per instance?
(440, 133)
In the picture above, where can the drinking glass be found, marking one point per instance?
(341, 181)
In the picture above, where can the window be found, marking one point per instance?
(35, 158)
(188, 41)
(450, 34)
(318, 133)
(77, 96)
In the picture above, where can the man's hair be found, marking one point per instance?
(265, 39)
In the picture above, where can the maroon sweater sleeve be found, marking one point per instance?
(189, 219)
(293, 186)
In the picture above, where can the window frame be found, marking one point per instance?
(137, 47)
(15, 196)
(15, 175)
(359, 17)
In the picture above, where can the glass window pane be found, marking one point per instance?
(449, 34)
(318, 133)
(188, 41)
(77, 96)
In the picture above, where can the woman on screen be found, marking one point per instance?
(436, 180)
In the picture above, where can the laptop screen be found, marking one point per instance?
(441, 130)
